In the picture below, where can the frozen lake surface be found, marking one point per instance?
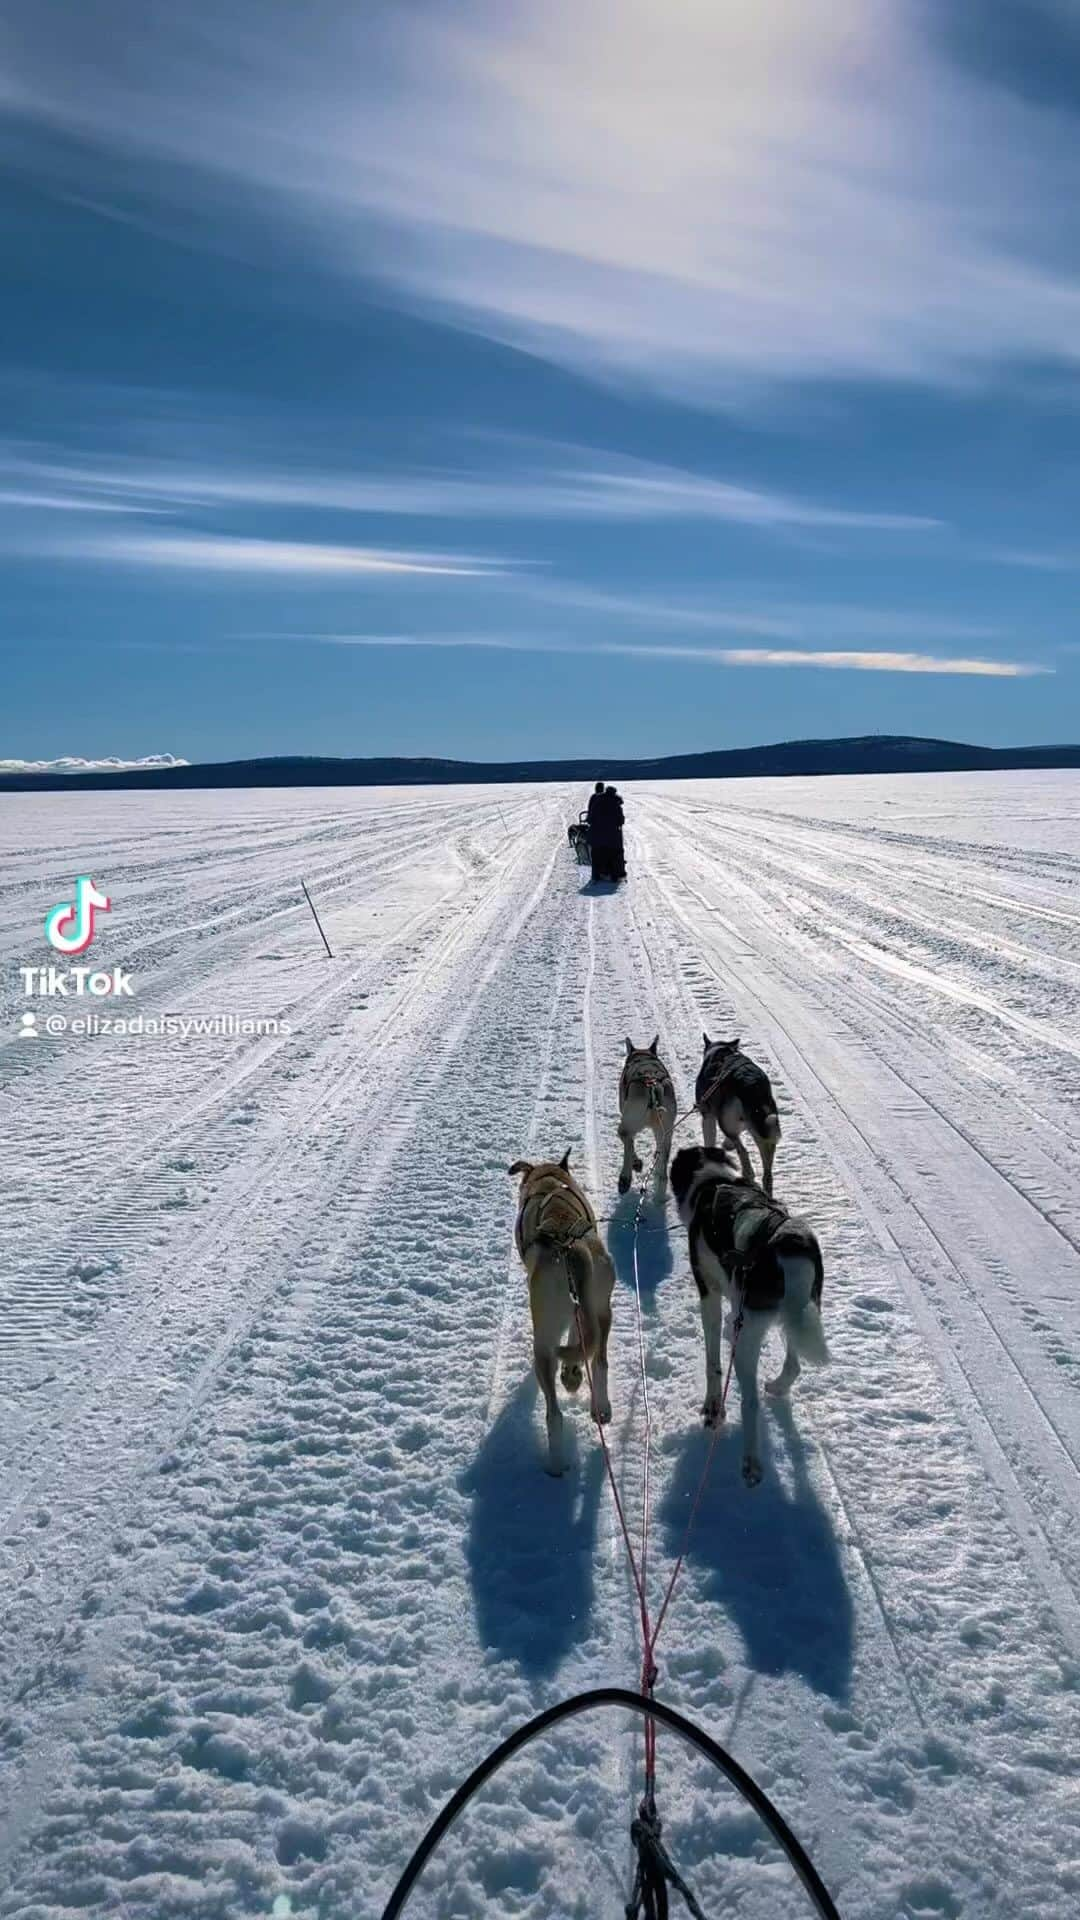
(279, 1560)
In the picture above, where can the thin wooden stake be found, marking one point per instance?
(318, 922)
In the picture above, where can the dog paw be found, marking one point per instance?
(637, 1165)
(601, 1412)
(778, 1388)
(555, 1469)
(624, 1183)
(752, 1470)
(571, 1378)
(712, 1413)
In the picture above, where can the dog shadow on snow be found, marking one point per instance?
(655, 1259)
(770, 1556)
(596, 889)
(532, 1538)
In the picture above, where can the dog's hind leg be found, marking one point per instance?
(746, 1165)
(712, 1326)
(579, 1352)
(630, 1161)
(766, 1146)
(602, 1287)
(601, 1406)
(747, 1354)
(544, 1363)
(547, 1302)
(664, 1128)
(783, 1382)
(571, 1360)
(708, 1129)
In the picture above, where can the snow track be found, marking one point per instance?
(279, 1560)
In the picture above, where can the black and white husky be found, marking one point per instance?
(732, 1091)
(747, 1250)
(646, 1099)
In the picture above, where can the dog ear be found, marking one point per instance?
(706, 1039)
(654, 1044)
(520, 1166)
(565, 1161)
(629, 1046)
(733, 1046)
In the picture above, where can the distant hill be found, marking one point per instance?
(870, 753)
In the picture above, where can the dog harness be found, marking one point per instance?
(546, 1209)
(749, 1258)
(645, 1070)
(738, 1077)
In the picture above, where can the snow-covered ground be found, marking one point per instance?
(278, 1560)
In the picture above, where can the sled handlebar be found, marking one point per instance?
(650, 1710)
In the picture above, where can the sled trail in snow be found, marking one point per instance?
(279, 1559)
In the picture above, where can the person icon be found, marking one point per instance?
(28, 1025)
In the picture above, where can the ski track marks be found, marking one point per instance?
(952, 1553)
(281, 1560)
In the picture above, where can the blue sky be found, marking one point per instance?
(484, 380)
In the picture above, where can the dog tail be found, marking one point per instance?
(807, 1335)
(760, 1110)
(579, 1260)
(800, 1310)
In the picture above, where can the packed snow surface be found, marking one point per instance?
(279, 1560)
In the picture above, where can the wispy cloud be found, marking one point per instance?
(845, 660)
(858, 662)
(19, 498)
(780, 619)
(219, 553)
(532, 480)
(710, 196)
(1036, 559)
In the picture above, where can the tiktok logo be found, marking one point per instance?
(70, 927)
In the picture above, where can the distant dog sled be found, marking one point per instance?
(597, 835)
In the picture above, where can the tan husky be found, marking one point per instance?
(557, 1236)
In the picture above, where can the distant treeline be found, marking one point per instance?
(873, 753)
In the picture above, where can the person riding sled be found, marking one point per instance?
(620, 815)
(605, 814)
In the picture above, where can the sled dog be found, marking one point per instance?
(646, 1099)
(578, 835)
(734, 1092)
(558, 1239)
(747, 1250)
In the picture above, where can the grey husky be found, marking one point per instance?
(646, 1099)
